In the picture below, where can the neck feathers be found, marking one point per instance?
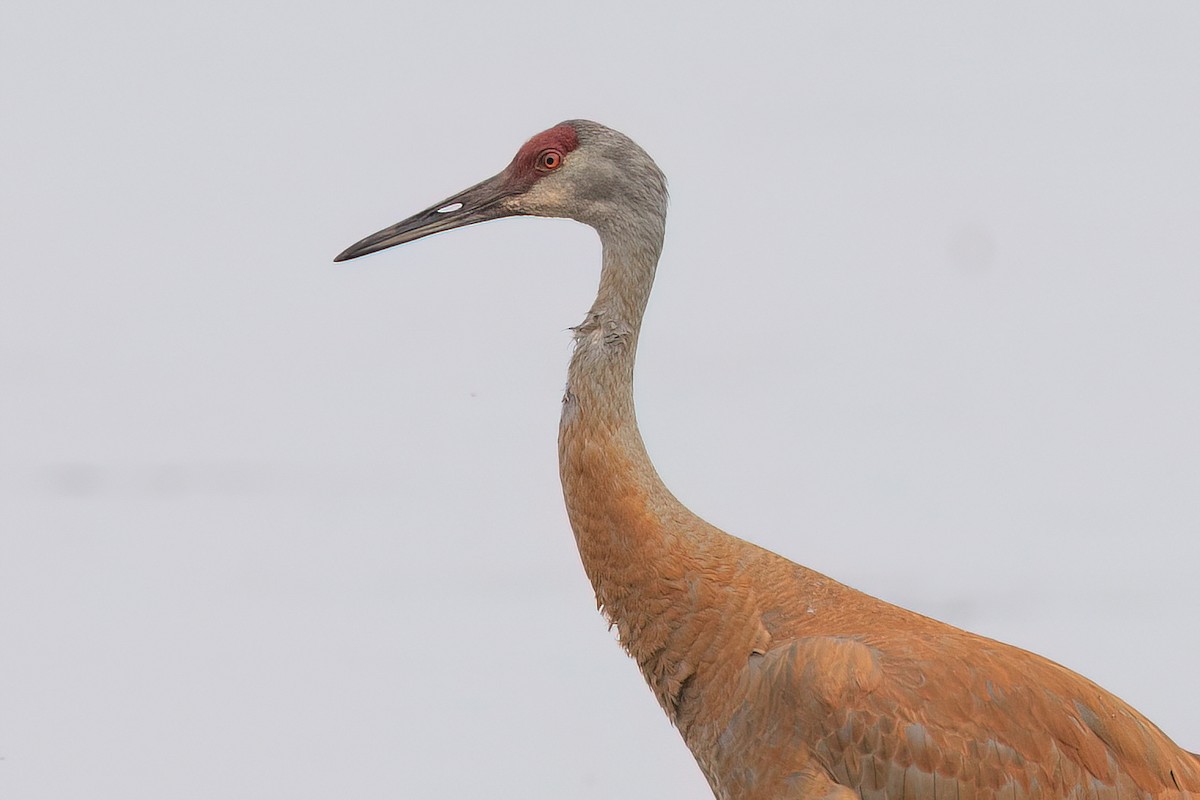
(625, 520)
(643, 551)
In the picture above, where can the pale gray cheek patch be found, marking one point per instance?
(449, 208)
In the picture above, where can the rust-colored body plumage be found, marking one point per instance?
(784, 683)
(787, 684)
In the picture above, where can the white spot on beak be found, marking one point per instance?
(448, 208)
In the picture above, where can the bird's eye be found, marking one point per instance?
(550, 160)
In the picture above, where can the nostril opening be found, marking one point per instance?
(446, 209)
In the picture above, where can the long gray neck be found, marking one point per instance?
(600, 377)
(633, 534)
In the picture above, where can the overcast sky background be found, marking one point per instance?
(927, 321)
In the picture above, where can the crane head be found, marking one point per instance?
(577, 169)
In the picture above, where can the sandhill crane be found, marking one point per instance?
(783, 682)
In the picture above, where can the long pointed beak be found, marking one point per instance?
(482, 202)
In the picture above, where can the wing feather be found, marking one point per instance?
(887, 720)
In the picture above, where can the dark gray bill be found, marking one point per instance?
(480, 203)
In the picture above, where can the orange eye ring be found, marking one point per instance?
(549, 160)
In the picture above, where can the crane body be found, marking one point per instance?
(783, 682)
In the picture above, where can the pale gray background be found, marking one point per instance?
(927, 321)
